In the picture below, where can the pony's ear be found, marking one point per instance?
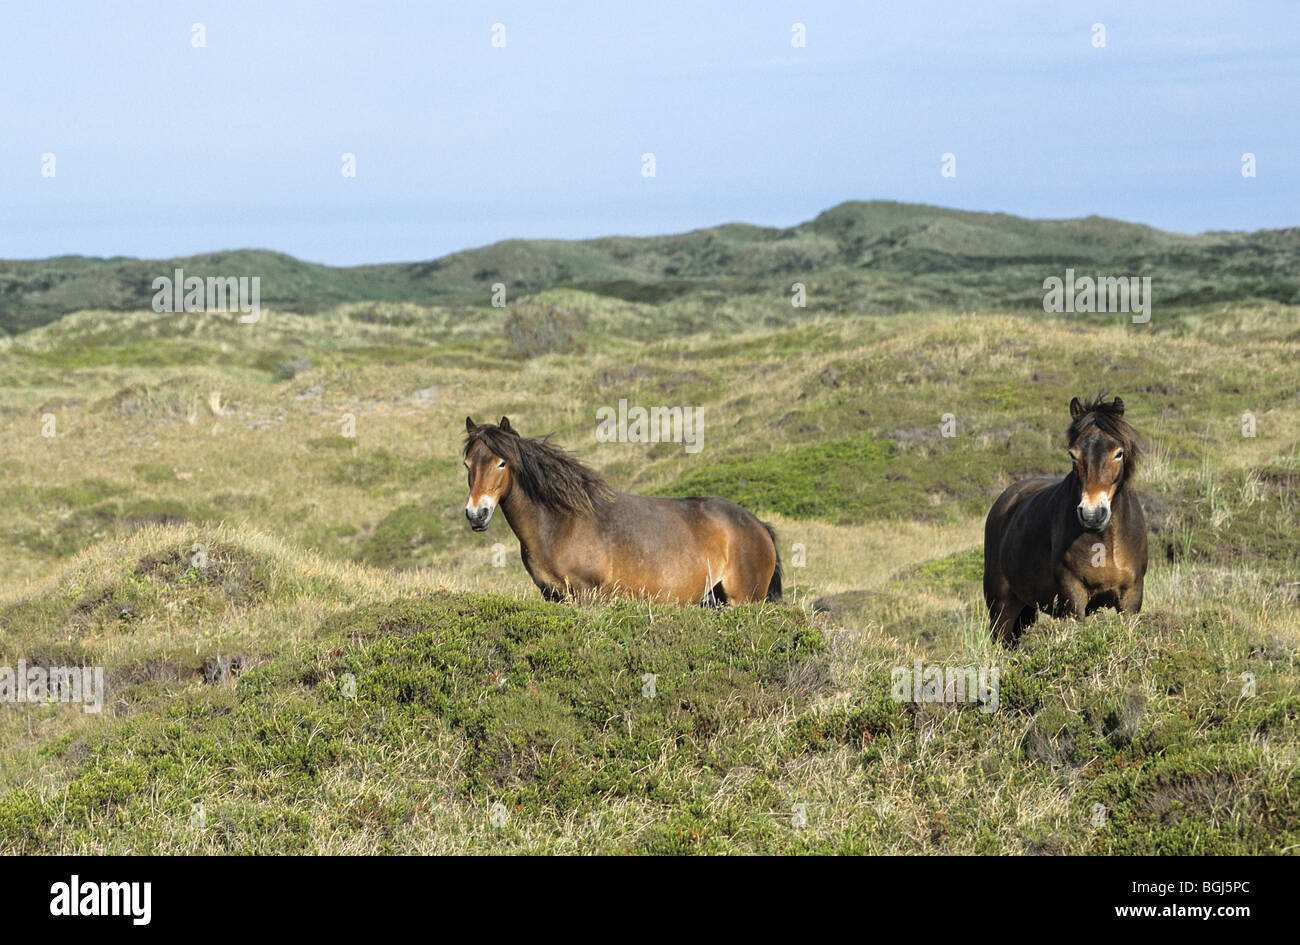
(506, 427)
(1076, 409)
(470, 425)
(1117, 405)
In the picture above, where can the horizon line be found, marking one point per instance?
(646, 236)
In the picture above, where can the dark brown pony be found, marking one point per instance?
(1075, 544)
(578, 536)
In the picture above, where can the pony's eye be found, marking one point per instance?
(1119, 454)
(501, 465)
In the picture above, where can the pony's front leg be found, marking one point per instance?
(1130, 599)
(1075, 595)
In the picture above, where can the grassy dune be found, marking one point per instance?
(486, 720)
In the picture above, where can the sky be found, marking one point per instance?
(164, 148)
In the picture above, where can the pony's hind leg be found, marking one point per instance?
(1008, 619)
(747, 580)
(716, 597)
(742, 555)
(1006, 614)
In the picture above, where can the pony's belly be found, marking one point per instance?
(1036, 585)
(1041, 595)
(679, 585)
(638, 576)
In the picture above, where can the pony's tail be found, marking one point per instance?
(774, 588)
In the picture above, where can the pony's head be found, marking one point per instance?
(498, 460)
(487, 466)
(1104, 450)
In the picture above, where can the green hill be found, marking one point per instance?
(306, 649)
(883, 255)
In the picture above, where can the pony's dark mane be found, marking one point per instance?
(1109, 418)
(548, 474)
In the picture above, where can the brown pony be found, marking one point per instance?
(1072, 544)
(578, 536)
